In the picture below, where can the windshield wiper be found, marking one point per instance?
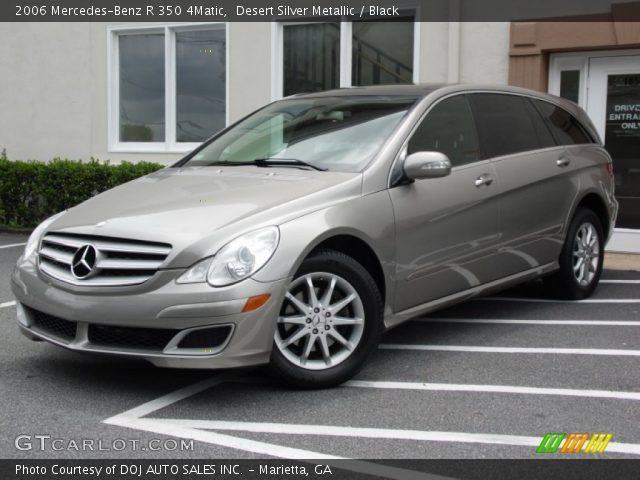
(292, 162)
(268, 162)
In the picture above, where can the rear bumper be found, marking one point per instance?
(153, 324)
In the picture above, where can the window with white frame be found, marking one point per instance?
(168, 86)
(567, 77)
(321, 56)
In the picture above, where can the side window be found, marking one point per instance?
(448, 128)
(504, 124)
(564, 127)
(545, 139)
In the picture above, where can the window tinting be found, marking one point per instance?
(448, 128)
(565, 128)
(504, 124)
(545, 139)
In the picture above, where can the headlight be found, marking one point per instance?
(237, 260)
(34, 239)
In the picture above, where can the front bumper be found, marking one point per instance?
(157, 317)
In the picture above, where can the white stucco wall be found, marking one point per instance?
(434, 46)
(54, 85)
(45, 89)
(484, 52)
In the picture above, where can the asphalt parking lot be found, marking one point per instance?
(486, 379)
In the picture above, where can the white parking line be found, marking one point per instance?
(467, 348)
(156, 425)
(131, 419)
(454, 387)
(169, 399)
(11, 245)
(552, 300)
(380, 433)
(629, 323)
(7, 304)
(199, 430)
(632, 282)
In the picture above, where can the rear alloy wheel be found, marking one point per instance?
(329, 321)
(586, 254)
(581, 258)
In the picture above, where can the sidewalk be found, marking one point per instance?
(622, 261)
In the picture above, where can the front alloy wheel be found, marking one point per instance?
(330, 320)
(322, 321)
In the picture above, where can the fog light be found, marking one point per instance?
(253, 303)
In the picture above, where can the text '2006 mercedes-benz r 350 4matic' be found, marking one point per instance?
(298, 235)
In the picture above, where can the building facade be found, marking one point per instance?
(155, 91)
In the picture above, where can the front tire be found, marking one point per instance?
(330, 321)
(581, 258)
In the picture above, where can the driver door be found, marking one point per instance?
(446, 228)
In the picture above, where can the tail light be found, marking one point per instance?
(610, 168)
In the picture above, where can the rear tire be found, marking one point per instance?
(581, 258)
(329, 323)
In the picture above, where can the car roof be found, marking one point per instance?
(419, 90)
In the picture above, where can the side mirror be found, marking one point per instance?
(421, 165)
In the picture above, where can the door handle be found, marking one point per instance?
(563, 162)
(484, 179)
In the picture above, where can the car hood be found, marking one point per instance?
(205, 207)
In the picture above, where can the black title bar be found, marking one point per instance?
(314, 10)
(227, 469)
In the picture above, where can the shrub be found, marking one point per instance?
(32, 191)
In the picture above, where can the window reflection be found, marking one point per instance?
(622, 140)
(200, 84)
(141, 85)
(311, 57)
(570, 85)
(382, 52)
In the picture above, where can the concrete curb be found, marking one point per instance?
(622, 261)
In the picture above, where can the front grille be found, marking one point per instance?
(116, 261)
(53, 325)
(206, 337)
(130, 337)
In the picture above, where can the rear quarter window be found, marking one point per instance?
(563, 126)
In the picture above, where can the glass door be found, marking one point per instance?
(613, 103)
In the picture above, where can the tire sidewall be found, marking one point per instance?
(350, 270)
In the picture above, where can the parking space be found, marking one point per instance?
(485, 379)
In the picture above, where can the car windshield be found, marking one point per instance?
(340, 133)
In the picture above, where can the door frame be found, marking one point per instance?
(623, 239)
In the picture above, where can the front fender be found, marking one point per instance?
(368, 218)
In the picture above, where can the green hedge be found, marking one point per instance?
(32, 191)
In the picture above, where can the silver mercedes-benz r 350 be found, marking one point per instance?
(296, 236)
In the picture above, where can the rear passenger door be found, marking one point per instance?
(446, 228)
(537, 189)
